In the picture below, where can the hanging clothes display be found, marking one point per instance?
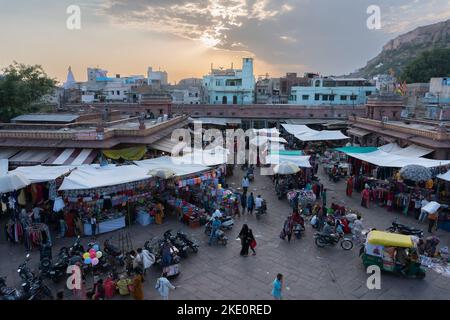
(14, 231)
(36, 235)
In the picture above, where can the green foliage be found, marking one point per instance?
(22, 88)
(429, 64)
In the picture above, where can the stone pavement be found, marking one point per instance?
(219, 272)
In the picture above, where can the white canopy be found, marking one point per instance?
(94, 176)
(301, 161)
(445, 176)
(304, 133)
(262, 140)
(267, 132)
(384, 159)
(170, 164)
(207, 157)
(39, 173)
(410, 151)
(12, 182)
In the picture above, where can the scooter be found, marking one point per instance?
(298, 229)
(227, 223)
(403, 229)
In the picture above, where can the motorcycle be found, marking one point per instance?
(33, 286)
(227, 223)
(8, 293)
(180, 245)
(191, 244)
(116, 257)
(403, 229)
(281, 191)
(77, 248)
(322, 240)
(260, 211)
(219, 237)
(56, 271)
(156, 247)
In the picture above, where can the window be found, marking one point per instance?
(325, 97)
(339, 115)
(353, 97)
(235, 100)
(325, 115)
(343, 97)
(217, 82)
(112, 92)
(317, 97)
(368, 93)
(217, 98)
(311, 115)
(196, 94)
(224, 100)
(394, 113)
(305, 97)
(317, 84)
(331, 97)
(118, 92)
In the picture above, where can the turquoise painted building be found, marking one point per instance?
(332, 91)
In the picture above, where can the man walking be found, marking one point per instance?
(245, 184)
(164, 286)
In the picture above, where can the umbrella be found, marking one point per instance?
(162, 173)
(12, 182)
(286, 168)
(415, 173)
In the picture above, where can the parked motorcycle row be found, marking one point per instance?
(32, 287)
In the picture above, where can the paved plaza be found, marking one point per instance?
(219, 272)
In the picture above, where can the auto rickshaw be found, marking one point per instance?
(394, 253)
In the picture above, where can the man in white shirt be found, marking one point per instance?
(245, 184)
(217, 214)
(258, 202)
(423, 213)
(163, 286)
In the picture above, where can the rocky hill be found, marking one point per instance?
(399, 51)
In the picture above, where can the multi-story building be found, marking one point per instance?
(230, 86)
(267, 91)
(332, 91)
(187, 91)
(292, 80)
(415, 92)
(157, 77)
(437, 100)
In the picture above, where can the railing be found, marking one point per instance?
(395, 127)
(90, 134)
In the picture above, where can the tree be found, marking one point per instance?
(429, 64)
(22, 88)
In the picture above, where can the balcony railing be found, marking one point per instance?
(399, 128)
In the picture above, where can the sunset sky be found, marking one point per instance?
(184, 37)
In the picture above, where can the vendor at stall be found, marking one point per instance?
(159, 214)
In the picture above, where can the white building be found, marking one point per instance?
(191, 95)
(332, 91)
(230, 86)
(101, 88)
(157, 77)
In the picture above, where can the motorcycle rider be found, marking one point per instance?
(215, 225)
(217, 214)
(328, 229)
(258, 203)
